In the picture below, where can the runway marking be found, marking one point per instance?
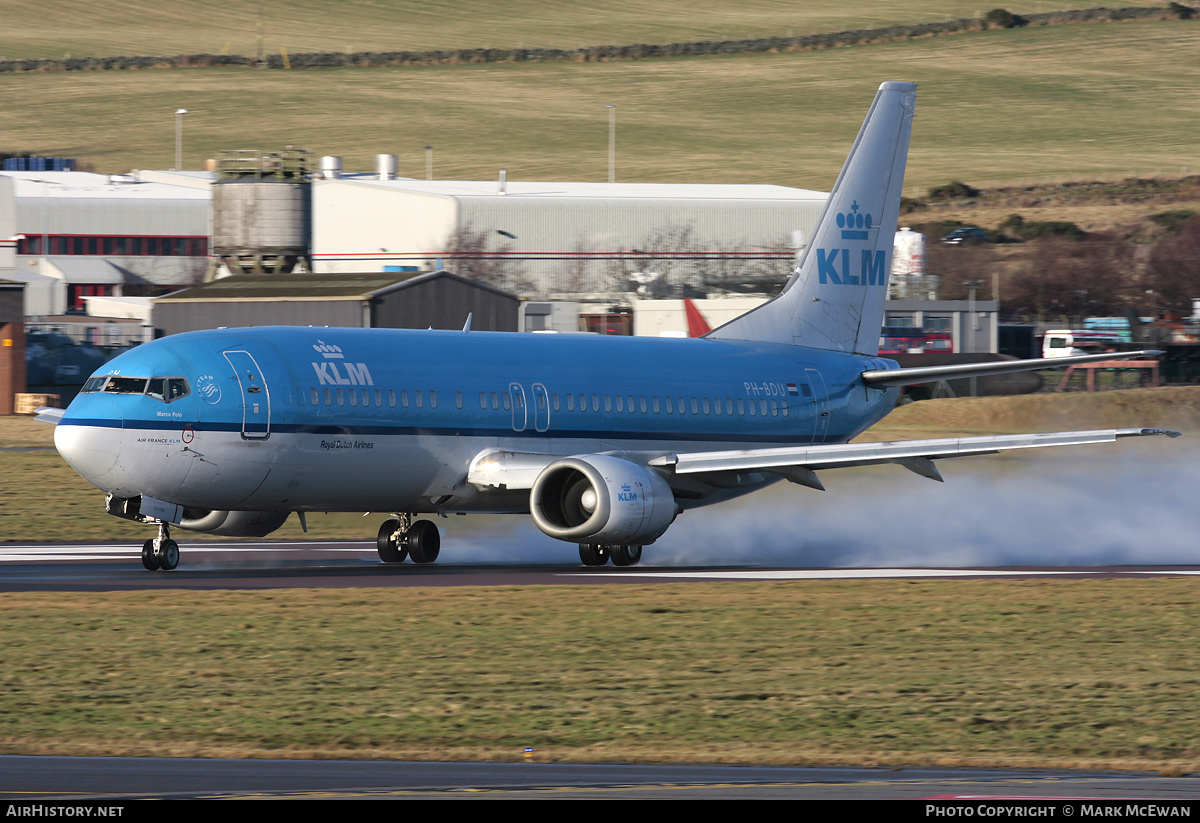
(15, 553)
(840, 574)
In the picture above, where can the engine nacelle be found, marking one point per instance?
(601, 499)
(215, 521)
(232, 524)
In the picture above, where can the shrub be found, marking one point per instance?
(954, 190)
(1003, 19)
(1181, 11)
(1172, 220)
(1017, 226)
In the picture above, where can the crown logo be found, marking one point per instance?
(854, 225)
(329, 351)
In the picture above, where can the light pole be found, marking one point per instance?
(179, 113)
(429, 162)
(612, 143)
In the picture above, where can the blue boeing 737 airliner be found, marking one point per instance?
(603, 440)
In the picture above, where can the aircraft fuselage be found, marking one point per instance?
(321, 419)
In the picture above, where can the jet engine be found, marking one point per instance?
(232, 524)
(597, 498)
(215, 521)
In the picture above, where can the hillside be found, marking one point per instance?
(81, 28)
(1033, 105)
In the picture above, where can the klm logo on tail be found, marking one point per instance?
(872, 264)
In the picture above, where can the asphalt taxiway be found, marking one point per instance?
(31, 780)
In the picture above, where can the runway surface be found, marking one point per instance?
(268, 565)
(66, 779)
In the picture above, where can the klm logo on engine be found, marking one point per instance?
(872, 264)
(627, 494)
(329, 373)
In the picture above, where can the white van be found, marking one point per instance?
(1066, 342)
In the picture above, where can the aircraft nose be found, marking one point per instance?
(91, 450)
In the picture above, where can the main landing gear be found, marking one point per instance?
(162, 552)
(400, 537)
(597, 554)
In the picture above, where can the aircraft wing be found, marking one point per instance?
(887, 378)
(799, 463)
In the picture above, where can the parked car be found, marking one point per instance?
(966, 236)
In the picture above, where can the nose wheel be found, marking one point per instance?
(160, 553)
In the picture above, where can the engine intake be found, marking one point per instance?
(597, 498)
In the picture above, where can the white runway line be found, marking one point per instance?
(15, 553)
(836, 574)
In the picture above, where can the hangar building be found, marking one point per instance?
(440, 300)
(547, 239)
(69, 235)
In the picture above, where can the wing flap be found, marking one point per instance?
(913, 454)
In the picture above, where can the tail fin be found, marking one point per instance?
(697, 325)
(834, 300)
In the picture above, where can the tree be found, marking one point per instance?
(1173, 270)
(478, 256)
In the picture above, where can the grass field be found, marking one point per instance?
(140, 27)
(1018, 673)
(1088, 101)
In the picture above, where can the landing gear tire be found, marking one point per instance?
(424, 542)
(149, 558)
(168, 555)
(626, 555)
(593, 554)
(390, 551)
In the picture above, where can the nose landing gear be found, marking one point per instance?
(162, 552)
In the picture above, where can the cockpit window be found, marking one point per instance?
(126, 385)
(165, 389)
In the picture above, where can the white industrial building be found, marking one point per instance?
(70, 235)
(544, 239)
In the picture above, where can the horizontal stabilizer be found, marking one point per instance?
(889, 378)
